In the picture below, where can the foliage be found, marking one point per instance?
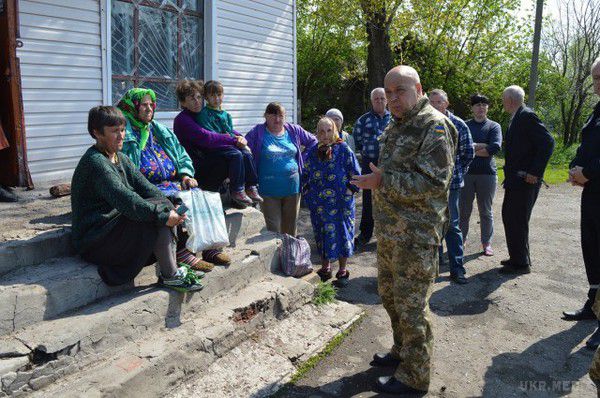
(324, 294)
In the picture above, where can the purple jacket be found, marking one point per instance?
(191, 135)
(299, 136)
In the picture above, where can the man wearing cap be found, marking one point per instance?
(481, 179)
(464, 156)
(367, 130)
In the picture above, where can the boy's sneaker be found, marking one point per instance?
(183, 281)
(252, 193)
(241, 199)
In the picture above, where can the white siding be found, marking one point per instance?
(256, 59)
(61, 68)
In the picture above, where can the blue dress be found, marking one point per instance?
(329, 195)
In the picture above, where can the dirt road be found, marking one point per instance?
(495, 337)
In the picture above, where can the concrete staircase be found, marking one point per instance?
(64, 333)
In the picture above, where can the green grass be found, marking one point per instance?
(307, 366)
(324, 294)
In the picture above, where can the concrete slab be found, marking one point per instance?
(262, 365)
(152, 361)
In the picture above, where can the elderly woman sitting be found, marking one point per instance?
(156, 151)
(121, 222)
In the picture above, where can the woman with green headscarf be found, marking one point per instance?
(156, 151)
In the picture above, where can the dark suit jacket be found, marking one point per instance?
(527, 147)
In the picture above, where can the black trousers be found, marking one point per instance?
(366, 221)
(516, 212)
(213, 167)
(590, 240)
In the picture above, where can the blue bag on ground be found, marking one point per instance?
(205, 220)
(295, 256)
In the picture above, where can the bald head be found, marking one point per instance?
(402, 89)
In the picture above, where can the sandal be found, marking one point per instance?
(324, 275)
(342, 279)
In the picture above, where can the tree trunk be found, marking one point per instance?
(379, 56)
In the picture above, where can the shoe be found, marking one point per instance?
(506, 262)
(511, 268)
(385, 360)
(241, 199)
(183, 281)
(360, 241)
(252, 193)
(459, 279)
(217, 257)
(487, 250)
(594, 341)
(390, 385)
(342, 280)
(324, 275)
(189, 259)
(7, 195)
(583, 314)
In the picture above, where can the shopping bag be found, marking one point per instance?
(295, 256)
(205, 221)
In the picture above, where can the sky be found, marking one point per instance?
(550, 7)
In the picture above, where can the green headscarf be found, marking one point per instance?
(129, 105)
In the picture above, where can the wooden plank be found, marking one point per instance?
(273, 25)
(75, 94)
(225, 50)
(69, 128)
(257, 37)
(32, 107)
(62, 152)
(245, 26)
(48, 143)
(37, 33)
(77, 10)
(36, 70)
(42, 46)
(234, 82)
(242, 67)
(253, 7)
(36, 83)
(253, 76)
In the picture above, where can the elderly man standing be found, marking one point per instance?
(585, 172)
(527, 149)
(366, 132)
(464, 156)
(411, 210)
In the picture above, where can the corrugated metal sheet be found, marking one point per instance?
(255, 57)
(61, 66)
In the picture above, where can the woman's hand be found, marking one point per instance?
(188, 182)
(175, 219)
(241, 141)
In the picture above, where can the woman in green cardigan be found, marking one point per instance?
(121, 222)
(156, 152)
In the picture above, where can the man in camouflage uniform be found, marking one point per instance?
(411, 212)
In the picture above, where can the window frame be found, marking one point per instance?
(135, 77)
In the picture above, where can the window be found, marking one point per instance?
(155, 44)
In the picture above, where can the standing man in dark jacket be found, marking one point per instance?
(585, 172)
(528, 147)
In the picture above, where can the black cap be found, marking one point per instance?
(479, 99)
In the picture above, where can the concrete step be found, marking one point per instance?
(46, 291)
(147, 342)
(19, 253)
(264, 364)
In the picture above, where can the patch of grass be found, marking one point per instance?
(307, 366)
(556, 172)
(324, 294)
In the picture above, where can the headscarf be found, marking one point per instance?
(324, 151)
(129, 105)
(335, 112)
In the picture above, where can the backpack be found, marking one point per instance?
(295, 256)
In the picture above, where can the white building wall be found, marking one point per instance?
(64, 73)
(61, 74)
(255, 57)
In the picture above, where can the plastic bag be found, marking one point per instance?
(295, 256)
(205, 221)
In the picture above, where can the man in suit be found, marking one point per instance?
(528, 146)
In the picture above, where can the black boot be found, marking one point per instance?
(585, 313)
(594, 340)
(390, 385)
(7, 195)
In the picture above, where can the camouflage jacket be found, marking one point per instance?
(417, 160)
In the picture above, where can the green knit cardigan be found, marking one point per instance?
(101, 192)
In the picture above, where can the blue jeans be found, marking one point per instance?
(454, 240)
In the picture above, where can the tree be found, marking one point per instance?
(378, 16)
(572, 45)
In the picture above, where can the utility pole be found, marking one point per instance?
(535, 56)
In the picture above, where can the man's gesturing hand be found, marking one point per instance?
(368, 181)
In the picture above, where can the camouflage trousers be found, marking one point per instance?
(405, 279)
